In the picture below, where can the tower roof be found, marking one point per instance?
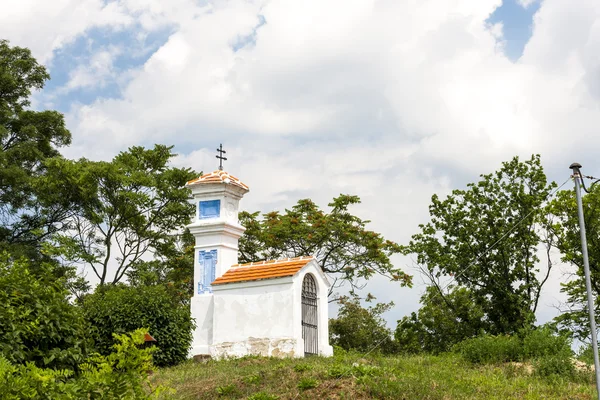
(263, 270)
(218, 176)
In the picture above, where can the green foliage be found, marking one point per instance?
(586, 354)
(302, 367)
(30, 382)
(226, 390)
(122, 209)
(123, 374)
(307, 383)
(253, 379)
(530, 344)
(262, 396)
(555, 365)
(173, 268)
(339, 240)
(444, 377)
(503, 208)
(337, 371)
(27, 140)
(564, 224)
(361, 329)
(119, 309)
(440, 323)
(544, 341)
(489, 349)
(360, 370)
(37, 323)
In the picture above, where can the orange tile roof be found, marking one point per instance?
(263, 270)
(218, 177)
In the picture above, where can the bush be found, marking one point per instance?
(490, 349)
(37, 322)
(531, 344)
(123, 374)
(554, 365)
(31, 382)
(361, 329)
(543, 341)
(119, 309)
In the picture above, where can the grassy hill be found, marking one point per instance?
(352, 376)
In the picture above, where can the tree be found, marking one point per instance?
(486, 238)
(340, 242)
(37, 322)
(361, 329)
(564, 224)
(123, 210)
(441, 322)
(172, 267)
(27, 139)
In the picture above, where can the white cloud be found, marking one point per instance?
(96, 73)
(526, 3)
(44, 26)
(389, 100)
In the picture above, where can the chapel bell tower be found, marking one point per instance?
(216, 229)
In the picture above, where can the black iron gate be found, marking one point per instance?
(310, 316)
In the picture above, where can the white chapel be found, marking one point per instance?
(270, 308)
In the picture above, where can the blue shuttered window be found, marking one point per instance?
(208, 265)
(209, 209)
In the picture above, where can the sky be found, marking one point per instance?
(390, 100)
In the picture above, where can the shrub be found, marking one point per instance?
(31, 382)
(37, 322)
(531, 344)
(489, 349)
(120, 375)
(554, 365)
(543, 341)
(119, 309)
(123, 374)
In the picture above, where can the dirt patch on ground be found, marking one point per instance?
(525, 367)
(582, 366)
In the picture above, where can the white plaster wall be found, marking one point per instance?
(258, 309)
(202, 310)
(260, 347)
(229, 196)
(219, 235)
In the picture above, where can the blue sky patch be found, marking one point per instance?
(517, 22)
(131, 48)
(251, 38)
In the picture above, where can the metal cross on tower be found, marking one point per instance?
(220, 156)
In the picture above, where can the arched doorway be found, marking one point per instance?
(310, 316)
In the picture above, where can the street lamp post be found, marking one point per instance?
(586, 269)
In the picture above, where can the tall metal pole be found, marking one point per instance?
(586, 269)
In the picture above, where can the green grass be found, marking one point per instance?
(350, 376)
